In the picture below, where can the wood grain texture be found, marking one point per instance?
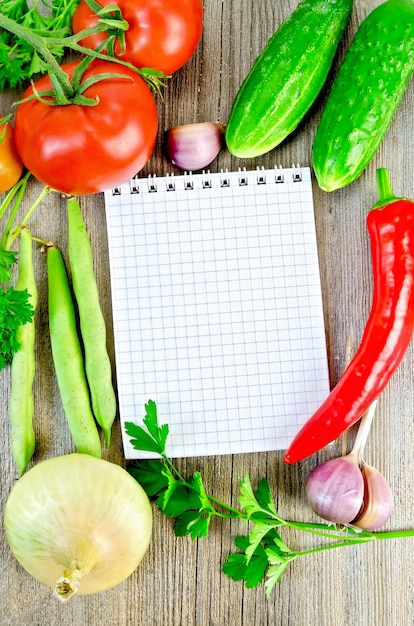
(179, 582)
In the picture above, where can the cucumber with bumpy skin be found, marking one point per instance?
(286, 77)
(365, 94)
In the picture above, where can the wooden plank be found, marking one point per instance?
(179, 582)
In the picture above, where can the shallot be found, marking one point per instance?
(194, 146)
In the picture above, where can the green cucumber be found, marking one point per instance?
(365, 94)
(286, 77)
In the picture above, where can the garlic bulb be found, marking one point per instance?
(346, 490)
(194, 146)
(78, 524)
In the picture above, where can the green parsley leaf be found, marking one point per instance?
(159, 433)
(195, 517)
(140, 439)
(15, 9)
(256, 536)
(247, 497)
(155, 439)
(48, 18)
(264, 497)
(251, 571)
(193, 523)
(15, 310)
(187, 502)
(177, 499)
(274, 574)
(7, 259)
(151, 476)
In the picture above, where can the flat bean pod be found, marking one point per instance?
(21, 403)
(92, 323)
(68, 357)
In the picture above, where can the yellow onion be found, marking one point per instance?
(78, 524)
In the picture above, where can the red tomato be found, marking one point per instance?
(87, 149)
(162, 34)
(11, 167)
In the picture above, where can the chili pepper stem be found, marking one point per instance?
(385, 192)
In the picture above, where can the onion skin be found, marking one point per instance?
(78, 524)
(194, 146)
(378, 500)
(335, 490)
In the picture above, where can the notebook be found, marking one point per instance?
(217, 307)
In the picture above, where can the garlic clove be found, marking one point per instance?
(378, 500)
(335, 489)
(194, 146)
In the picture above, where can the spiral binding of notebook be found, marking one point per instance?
(217, 307)
(187, 179)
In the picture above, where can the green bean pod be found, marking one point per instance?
(21, 403)
(92, 322)
(68, 357)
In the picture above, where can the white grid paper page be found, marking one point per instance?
(217, 308)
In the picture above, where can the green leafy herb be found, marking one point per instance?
(15, 307)
(15, 310)
(48, 18)
(7, 260)
(262, 555)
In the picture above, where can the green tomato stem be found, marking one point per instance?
(72, 41)
(154, 78)
(64, 91)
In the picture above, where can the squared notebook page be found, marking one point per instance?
(217, 308)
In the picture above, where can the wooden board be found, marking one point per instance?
(179, 582)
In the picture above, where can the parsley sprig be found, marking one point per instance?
(15, 310)
(19, 62)
(15, 306)
(262, 555)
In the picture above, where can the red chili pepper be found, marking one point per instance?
(388, 331)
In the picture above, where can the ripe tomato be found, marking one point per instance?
(87, 149)
(11, 167)
(162, 34)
